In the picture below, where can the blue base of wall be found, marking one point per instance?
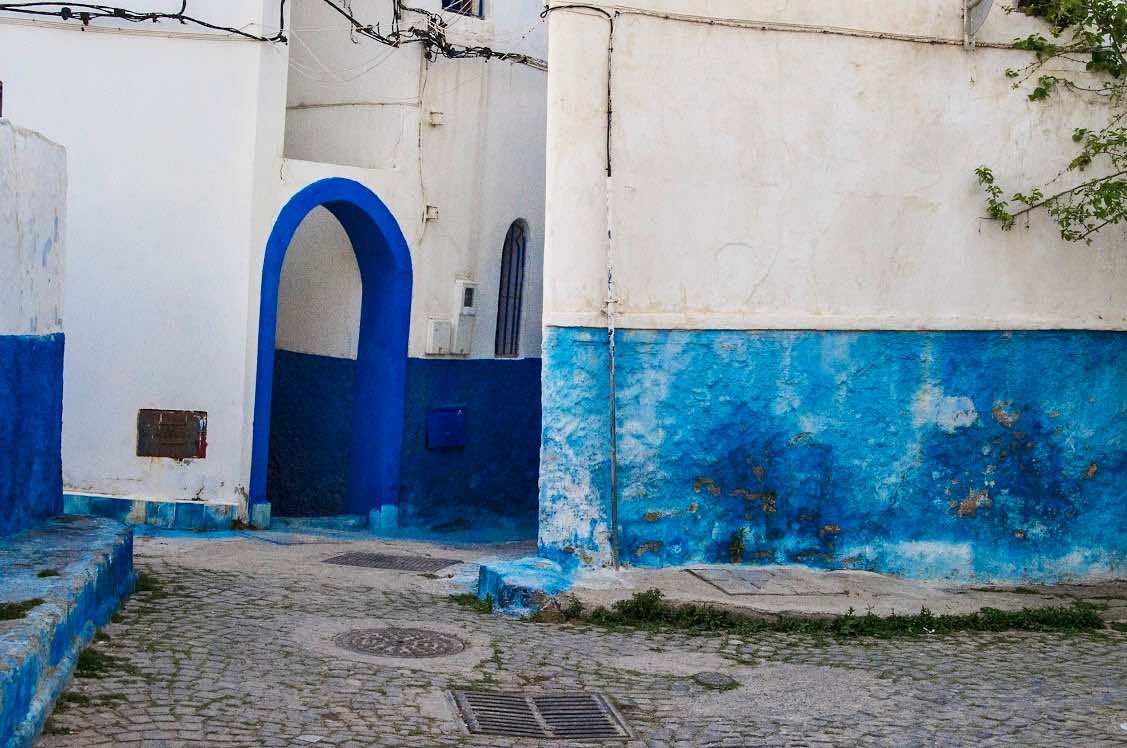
(490, 482)
(948, 454)
(31, 401)
(518, 587)
(94, 558)
(168, 515)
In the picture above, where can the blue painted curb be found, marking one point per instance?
(521, 586)
(38, 653)
(167, 515)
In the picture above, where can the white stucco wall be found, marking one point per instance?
(363, 111)
(33, 183)
(175, 141)
(165, 137)
(784, 179)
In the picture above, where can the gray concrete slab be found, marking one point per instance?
(801, 590)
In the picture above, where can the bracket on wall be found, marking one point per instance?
(975, 13)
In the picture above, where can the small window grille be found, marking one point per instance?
(511, 296)
(464, 7)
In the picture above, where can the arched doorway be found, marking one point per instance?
(384, 261)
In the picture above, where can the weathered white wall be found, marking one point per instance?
(783, 179)
(319, 294)
(363, 111)
(169, 145)
(175, 142)
(32, 217)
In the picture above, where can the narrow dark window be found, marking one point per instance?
(511, 295)
(464, 7)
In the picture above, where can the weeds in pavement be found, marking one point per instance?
(150, 584)
(473, 602)
(13, 611)
(651, 612)
(95, 664)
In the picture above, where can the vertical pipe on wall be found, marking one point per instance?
(612, 310)
(611, 297)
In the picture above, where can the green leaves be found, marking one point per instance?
(1045, 86)
(1094, 34)
(997, 209)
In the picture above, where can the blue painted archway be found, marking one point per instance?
(381, 362)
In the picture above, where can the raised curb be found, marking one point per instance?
(38, 653)
(521, 586)
(167, 515)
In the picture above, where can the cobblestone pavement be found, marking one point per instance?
(243, 655)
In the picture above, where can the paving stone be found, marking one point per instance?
(220, 658)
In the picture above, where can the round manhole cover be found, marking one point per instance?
(400, 642)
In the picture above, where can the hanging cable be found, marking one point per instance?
(85, 13)
(432, 35)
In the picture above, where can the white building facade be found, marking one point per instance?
(821, 353)
(191, 148)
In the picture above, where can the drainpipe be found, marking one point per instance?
(612, 307)
(612, 296)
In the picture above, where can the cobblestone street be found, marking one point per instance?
(236, 648)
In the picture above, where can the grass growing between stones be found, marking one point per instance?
(149, 583)
(651, 612)
(473, 602)
(17, 610)
(95, 664)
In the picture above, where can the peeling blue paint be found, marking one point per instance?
(39, 652)
(938, 454)
(193, 516)
(31, 401)
(518, 586)
(487, 486)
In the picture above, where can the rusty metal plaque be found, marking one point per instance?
(178, 434)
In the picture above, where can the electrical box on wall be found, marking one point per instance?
(438, 337)
(467, 316)
(446, 427)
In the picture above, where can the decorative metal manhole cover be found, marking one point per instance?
(386, 561)
(400, 642)
(560, 716)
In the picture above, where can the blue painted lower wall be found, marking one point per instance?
(937, 454)
(490, 482)
(31, 406)
(310, 435)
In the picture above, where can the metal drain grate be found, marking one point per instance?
(562, 716)
(398, 563)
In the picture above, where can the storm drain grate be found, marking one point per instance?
(398, 563)
(563, 716)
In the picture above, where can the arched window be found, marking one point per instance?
(511, 295)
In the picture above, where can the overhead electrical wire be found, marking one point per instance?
(432, 34)
(85, 13)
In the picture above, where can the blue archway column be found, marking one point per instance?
(381, 363)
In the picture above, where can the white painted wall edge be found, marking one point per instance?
(750, 321)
